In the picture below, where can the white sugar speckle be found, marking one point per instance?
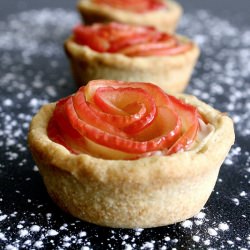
(200, 215)
(167, 238)
(196, 238)
(23, 232)
(51, 91)
(187, 224)
(206, 242)
(230, 242)
(2, 237)
(35, 169)
(236, 201)
(38, 244)
(198, 222)
(138, 231)
(128, 247)
(27, 242)
(243, 193)
(48, 215)
(82, 234)
(3, 217)
(66, 238)
(212, 231)
(11, 247)
(85, 248)
(223, 226)
(7, 102)
(52, 232)
(148, 245)
(125, 237)
(35, 228)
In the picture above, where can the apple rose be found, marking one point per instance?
(129, 40)
(139, 6)
(123, 120)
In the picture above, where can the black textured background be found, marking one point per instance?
(23, 198)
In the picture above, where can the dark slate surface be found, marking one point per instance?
(34, 71)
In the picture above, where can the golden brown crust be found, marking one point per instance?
(147, 192)
(163, 20)
(171, 73)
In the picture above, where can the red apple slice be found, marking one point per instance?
(129, 40)
(85, 35)
(112, 100)
(185, 141)
(82, 111)
(132, 112)
(123, 36)
(132, 119)
(117, 112)
(134, 6)
(160, 97)
(60, 130)
(190, 124)
(148, 48)
(175, 50)
(167, 125)
(112, 140)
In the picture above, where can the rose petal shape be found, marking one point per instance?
(129, 40)
(139, 6)
(123, 120)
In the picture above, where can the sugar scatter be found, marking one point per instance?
(223, 226)
(34, 38)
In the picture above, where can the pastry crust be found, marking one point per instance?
(148, 192)
(164, 20)
(171, 73)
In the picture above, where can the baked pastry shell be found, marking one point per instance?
(163, 20)
(171, 73)
(148, 192)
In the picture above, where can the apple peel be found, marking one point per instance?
(131, 118)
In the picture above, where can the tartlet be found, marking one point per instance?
(128, 53)
(163, 15)
(151, 190)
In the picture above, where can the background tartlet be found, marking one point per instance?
(171, 72)
(163, 19)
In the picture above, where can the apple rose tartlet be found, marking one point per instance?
(161, 14)
(128, 155)
(123, 52)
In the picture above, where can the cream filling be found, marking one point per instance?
(203, 136)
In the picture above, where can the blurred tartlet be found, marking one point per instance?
(161, 14)
(129, 53)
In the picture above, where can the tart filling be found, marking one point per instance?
(163, 15)
(132, 41)
(121, 120)
(139, 6)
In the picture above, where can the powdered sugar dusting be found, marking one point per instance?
(33, 71)
(223, 226)
(33, 41)
(187, 224)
